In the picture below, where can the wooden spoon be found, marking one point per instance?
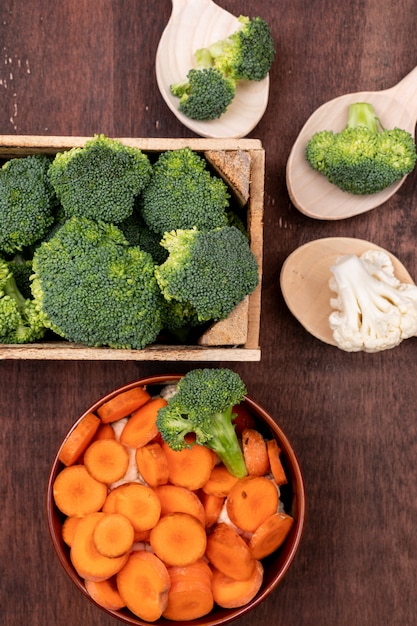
(196, 24)
(310, 191)
(305, 278)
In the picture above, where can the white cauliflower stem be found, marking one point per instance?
(374, 310)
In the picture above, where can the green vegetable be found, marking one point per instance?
(26, 202)
(363, 158)
(183, 194)
(211, 271)
(203, 405)
(93, 288)
(139, 234)
(20, 321)
(100, 180)
(248, 53)
(206, 93)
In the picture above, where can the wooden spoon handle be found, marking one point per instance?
(406, 92)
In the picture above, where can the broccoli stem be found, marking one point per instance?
(225, 443)
(363, 114)
(11, 289)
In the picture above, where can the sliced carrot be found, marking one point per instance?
(152, 464)
(106, 460)
(175, 499)
(229, 553)
(251, 501)
(255, 452)
(220, 481)
(270, 535)
(77, 493)
(113, 535)
(78, 439)
(104, 431)
(105, 593)
(189, 467)
(190, 595)
(139, 504)
(178, 539)
(141, 426)
(243, 419)
(143, 584)
(213, 506)
(86, 559)
(277, 468)
(230, 594)
(68, 529)
(109, 505)
(122, 404)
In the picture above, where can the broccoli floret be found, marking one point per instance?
(363, 158)
(100, 180)
(183, 194)
(95, 289)
(206, 93)
(20, 321)
(248, 53)
(21, 269)
(203, 405)
(26, 202)
(211, 271)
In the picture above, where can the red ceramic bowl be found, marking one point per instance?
(275, 566)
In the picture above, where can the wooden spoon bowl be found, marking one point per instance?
(305, 278)
(309, 191)
(196, 24)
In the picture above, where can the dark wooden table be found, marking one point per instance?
(79, 67)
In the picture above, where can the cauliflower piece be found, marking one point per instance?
(374, 310)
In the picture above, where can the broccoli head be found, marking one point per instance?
(206, 93)
(100, 180)
(183, 194)
(363, 158)
(27, 201)
(20, 321)
(210, 271)
(139, 234)
(203, 405)
(95, 289)
(248, 53)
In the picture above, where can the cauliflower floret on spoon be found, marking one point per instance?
(374, 310)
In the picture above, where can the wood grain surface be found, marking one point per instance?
(77, 67)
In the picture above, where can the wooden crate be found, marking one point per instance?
(241, 163)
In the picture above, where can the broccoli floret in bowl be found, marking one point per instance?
(93, 288)
(100, 180)
(364, 157)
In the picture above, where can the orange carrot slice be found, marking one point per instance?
(213, 506)
(251, 501)
(270, 535)
(230, 593)
(255, 452)
(68, 529)
(139, 504)
(78, 440)
(143, 584)
(220, 481)
(105, 593)
(106, 460)
(152, 464)
(104, 431)
(77, 493)
(178, 539)
(113, 535)
(189, 467)
(190, 595)
(175, 499)
(277, 468)
(141, 426)
(122, 404)
(86, 559)
(229, 553)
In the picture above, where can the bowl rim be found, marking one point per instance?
(226, 615)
